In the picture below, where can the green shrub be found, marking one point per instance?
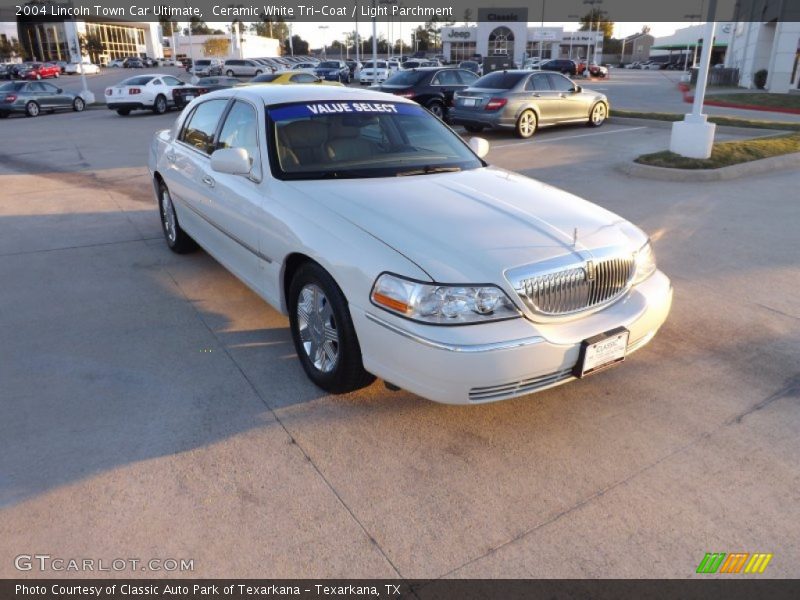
(760, 79)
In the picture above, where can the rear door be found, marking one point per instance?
(539, 92)
(447, 82)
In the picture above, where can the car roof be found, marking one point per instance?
(307, 93)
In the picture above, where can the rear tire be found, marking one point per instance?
(323, 332)
(229, 73)
(32, 109)
(123, 112)
(177, 239)
(160, 105)
(78, 104)
(526, 124)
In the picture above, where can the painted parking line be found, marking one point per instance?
(567, 137)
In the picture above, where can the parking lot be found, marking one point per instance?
(152, 405)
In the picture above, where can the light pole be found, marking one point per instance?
(357, 41)
(374, 36)
(570, 37)
(591, 4)
(694, 136)
(324, 41)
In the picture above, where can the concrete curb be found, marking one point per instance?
(732, 129)
(755, 167)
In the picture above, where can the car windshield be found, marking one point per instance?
(405, 78)
(141, 80)
(350, 140)
(499, 80)
(202, 62)
(329, 65)
(370, 65)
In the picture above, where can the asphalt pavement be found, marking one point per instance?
(152, 406)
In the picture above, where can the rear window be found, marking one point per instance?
(202, 62)
(405, 78)
(329, 65)
(12, 87)
(370, 65)
(499, 80)
(141, 80)
(264, 78)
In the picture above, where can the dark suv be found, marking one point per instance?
(432, 87)
(562, 65)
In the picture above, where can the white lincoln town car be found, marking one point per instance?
(396, 251)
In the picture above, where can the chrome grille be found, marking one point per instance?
(518, 388)
(577, 288)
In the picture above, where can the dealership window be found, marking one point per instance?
(541, 49)
(118, 41)
(501, 41)
(462, 50)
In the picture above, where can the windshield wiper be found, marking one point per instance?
(427, 170)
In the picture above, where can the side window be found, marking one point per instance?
(201, 125)
(157, 82)
(304, 78)
(37, 87)
(467, 77)
(48, 87)
(241, 131)
(538, 82)
(560, 83)
(171, 80)
(446, 78)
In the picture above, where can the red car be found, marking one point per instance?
(42, 71)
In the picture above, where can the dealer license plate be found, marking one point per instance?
(602, 351)
(189, 97)
(469, 101)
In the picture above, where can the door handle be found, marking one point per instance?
(209, 181)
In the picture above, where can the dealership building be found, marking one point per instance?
(505, 31)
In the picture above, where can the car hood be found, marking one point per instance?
(474, 225)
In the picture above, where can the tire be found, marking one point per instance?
(474, 128)
(598, 114)
(177, 239)
(3, 115)
(123, 112)
(78, 104)
(323, 332)
(436, 108)
(526, 124)
(257, 73)
(32, 109)
(229, 73)
(160, 105)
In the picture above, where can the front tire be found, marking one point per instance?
(598, 115)
(123, 112)
(177, 239)
(526, 124)
(78, 105)
(160, 105)
(229, 73)
(32, 109)
(323, 332)
(436, 108)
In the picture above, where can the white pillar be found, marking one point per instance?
(694, 136)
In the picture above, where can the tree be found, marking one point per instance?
(168, 27)
(468, 20)
(6, 48)
(217, 47)
(299, 45)
(422, 39)
(90, 45)
(645, 29)
(272, 28)
(199, 26)
(598, 19)
(434, 28)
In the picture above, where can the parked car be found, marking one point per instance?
(235, 67)
(117, 63)
(415, 63)
(148, 61)
(471, 65)
(182, 95)
(432, 87)
(168, 62)
(41, 71)
(561, 65)
(62, 64)
(133, 63)
(77, 68)
(333, 70)
(31, 98)
(205, 67)
(396, 251)
(374, 72)
(5, 70)
(523, 101)
(142, 92)
(304, 66)
(289, 77)
(596, 70)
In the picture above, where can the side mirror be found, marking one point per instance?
(60, 91)
(479, 145)
(233, 161)
(577, 89)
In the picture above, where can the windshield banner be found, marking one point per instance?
(322, 109)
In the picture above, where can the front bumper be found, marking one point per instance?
(495, 361)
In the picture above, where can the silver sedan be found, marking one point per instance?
(524, 101)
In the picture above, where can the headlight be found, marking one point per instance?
(441, 304)
(645, 263)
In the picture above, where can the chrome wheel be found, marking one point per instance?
(168, 217)
(437, 110)
(32, 109)
(317, 328)
(526, 126)
(599, 114)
